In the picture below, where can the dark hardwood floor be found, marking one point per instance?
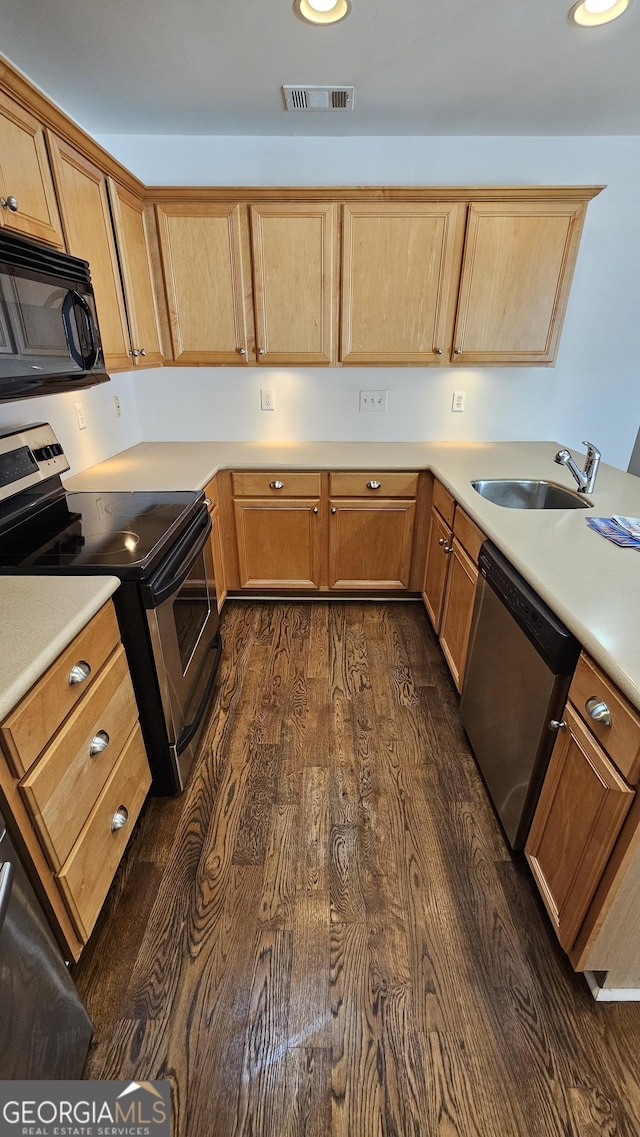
(326, 935)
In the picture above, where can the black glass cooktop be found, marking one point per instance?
(126, 534)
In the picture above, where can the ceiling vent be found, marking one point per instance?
(319, 98)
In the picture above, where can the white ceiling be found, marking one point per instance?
(458, 67)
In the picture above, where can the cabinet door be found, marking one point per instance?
(278, 543)
(25, 175)
(583, 803)
(516, 274)
(84, 205)
(218, 563)
(457, 611)
(435, 577)
(370, 543)
(400, 271)
(201, 251)
(294, 286)
(127, 211)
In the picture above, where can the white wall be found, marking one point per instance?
(593, 391)
(104, 435)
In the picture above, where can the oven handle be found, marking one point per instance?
(191, 729)
(182, 561)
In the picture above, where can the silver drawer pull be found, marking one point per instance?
(557, 724)
(598, 710)
(442, 541)
(120, 818)
(373, 485)
(79, 672)
(276, 485)
(448, 549)
(9, 203)
(208, 502)
(98, 743)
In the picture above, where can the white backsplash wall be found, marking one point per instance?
(593, 391)
(105, 434)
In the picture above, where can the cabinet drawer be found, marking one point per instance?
(265, 484)
(620, 738)
(62, 788)
(350, 483)
(468, 534)
(88, 871)
(28, 729)
(443, 501)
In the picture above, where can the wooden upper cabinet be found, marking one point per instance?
(25, 176)
(84, 205)
(201, 247)
(400, 271)
(128, 218)
(294, 282)
(516, 274)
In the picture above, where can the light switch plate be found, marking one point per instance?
(373, 400)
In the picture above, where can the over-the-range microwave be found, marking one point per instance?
(49, 335)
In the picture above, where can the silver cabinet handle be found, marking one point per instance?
(276, 485)
(120, 818)
(557, 724)
(98, 743)
(242, 351)
(373, 485)
(143, 351)
(333, 509)
(598, 710)
(208, 502)
(442, 541)
(438, 351)
(134, 353)
(79, 672)
(448, 549)
(261, 351)
(9, 203)
(315, 509)
(458, 351)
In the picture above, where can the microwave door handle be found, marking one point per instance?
(80, 303)
(68, 306)
(158, 591)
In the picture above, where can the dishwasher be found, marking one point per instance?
(520, 662)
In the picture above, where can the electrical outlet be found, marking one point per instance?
(116, 406)
(267, 399)
(82, 422)
(457, 402)
(373, 400)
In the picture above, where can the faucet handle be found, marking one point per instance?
(592, 450)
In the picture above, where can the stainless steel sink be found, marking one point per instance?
(516, 494)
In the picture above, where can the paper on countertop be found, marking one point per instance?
(611, 528)
(631, 524)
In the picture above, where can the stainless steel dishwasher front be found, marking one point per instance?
(520, 663)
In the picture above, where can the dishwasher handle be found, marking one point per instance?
(6, 884)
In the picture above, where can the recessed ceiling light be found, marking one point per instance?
(322, 11)
(591, 13)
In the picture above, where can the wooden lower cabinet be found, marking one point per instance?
(278, 542)
(437, 567)
(582, 807)
(76, 776)
(370, 543)
(458, 610)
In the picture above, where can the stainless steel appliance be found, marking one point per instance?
(521, 659)
(49, 336)
(158, 544)
(45, 1030)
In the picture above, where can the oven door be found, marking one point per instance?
(183, 626)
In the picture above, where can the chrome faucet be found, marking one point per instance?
(586, 478)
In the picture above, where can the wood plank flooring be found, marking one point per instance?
(325, 935)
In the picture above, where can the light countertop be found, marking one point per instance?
(591, 584)
(39, 617)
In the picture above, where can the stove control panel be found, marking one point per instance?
(29, 456)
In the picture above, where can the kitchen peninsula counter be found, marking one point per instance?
(591, 584)
(39, 617)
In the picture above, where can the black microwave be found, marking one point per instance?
(49, 335)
